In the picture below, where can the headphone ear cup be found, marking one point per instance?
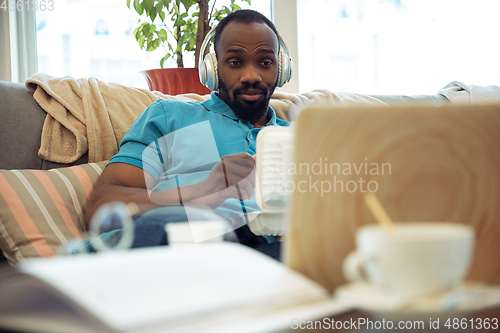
(287, 68)
(209, 75)
(202, 73)
(279, 81)
(284, 69)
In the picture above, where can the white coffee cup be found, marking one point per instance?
(416, 258)
(193, 232)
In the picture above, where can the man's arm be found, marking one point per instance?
(121, 182)
(129, 184)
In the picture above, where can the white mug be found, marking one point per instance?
(192, 232)
(416, 258)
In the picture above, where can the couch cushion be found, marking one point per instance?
(42, 210)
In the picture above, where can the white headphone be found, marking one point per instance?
(208, 71)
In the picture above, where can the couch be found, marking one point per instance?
(21, 125)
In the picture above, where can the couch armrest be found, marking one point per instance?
(21, 127)
(21, 130)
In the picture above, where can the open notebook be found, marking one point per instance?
(220, 287)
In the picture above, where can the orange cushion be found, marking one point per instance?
(41, 210)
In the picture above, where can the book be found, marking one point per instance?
(220, 287)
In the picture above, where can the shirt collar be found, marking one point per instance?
(271, 115)
(215, 104)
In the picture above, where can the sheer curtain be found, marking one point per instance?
(18, 44)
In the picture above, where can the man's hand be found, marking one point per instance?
(230, 172)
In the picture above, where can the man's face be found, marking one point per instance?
(248, 68)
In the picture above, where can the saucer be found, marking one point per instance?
(456, 302)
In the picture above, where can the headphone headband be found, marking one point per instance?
(207, 39)
(208, 72)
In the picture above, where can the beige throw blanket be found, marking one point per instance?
(87, 115)
(91, 115)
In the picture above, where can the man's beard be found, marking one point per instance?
(252, 111)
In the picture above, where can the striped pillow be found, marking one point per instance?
(41, 210)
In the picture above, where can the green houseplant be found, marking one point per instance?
(179, 27)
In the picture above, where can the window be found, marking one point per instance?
(94, 38)
(397, 46)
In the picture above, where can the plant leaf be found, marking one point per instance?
(142, 40)
(163, 34)
(137, 33)
(139, 8)
(163, 59)
(187, 4)
(147, 5)
(152, 13)
(145, 28)
(136, 6)
(191, 44)
(153, 44)
(181, 42)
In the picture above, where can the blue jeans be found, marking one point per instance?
(149, 230)
(149, 227)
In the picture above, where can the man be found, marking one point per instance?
(183, 154)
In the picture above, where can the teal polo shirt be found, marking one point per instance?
(178, 143)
